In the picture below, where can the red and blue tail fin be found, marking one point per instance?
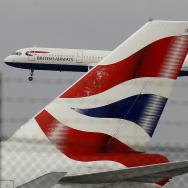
(111, 111)
(116, 106)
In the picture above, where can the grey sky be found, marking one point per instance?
(86, 24)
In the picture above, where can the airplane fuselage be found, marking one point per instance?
(57, 59)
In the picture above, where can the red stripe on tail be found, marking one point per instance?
(70, 141)
(151, 61)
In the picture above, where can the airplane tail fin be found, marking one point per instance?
(116, 106)
(112, 109)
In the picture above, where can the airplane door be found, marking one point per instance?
(79, 57)
(31, 55)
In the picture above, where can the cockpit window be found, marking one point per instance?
(17, 53)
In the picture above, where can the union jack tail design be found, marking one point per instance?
(117, 105)
(111, 113)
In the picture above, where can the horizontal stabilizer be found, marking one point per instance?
(46, 181)
(144, 174)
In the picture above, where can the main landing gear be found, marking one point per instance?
(31, 75)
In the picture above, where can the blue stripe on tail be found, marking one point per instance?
(144, 110)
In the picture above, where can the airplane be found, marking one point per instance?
(96, 133)
(57, 59)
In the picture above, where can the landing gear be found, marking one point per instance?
(31, 75)
(30, 78)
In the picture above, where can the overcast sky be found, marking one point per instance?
(85, 24)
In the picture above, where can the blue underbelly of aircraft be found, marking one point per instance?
(53, 67)
(56, 67)
(183, 73)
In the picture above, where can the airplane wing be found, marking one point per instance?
(144, 174)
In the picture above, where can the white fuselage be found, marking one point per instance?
(58, 59)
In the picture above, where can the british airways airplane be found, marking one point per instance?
(56, 59)
(96, 133)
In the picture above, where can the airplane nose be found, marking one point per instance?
(8, 60)
(5, 60)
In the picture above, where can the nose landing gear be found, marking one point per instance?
(31, 75)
